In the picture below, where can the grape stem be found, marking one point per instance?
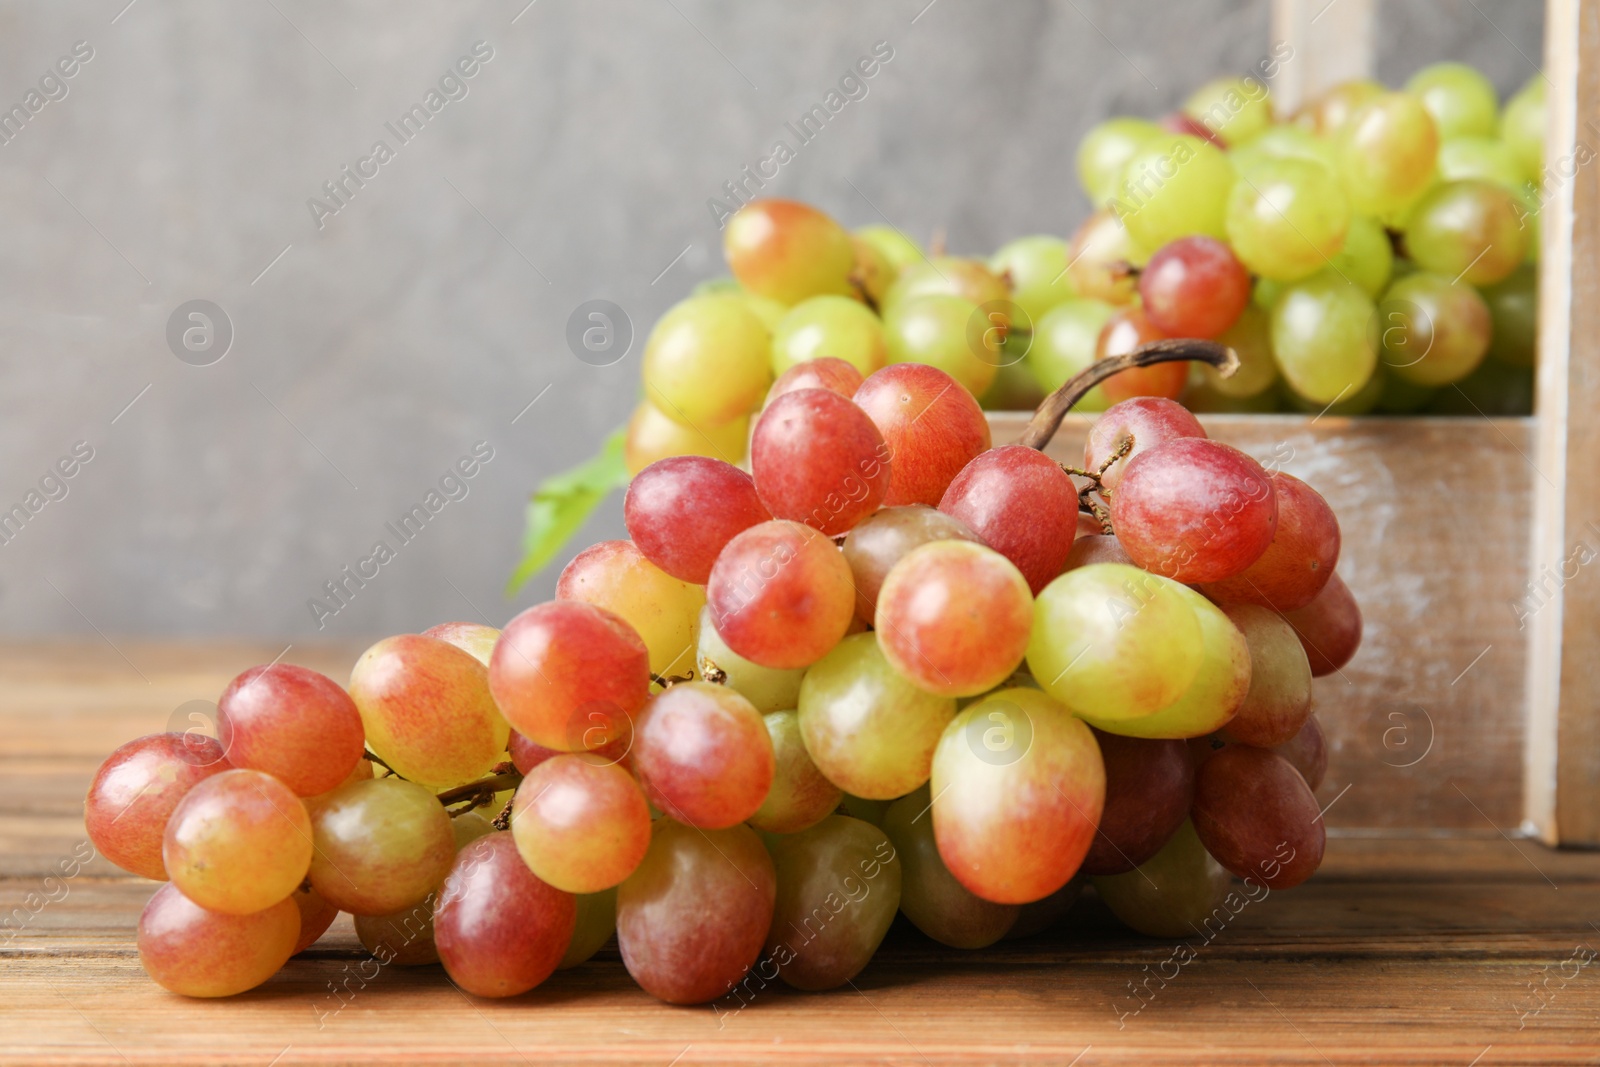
(1047, 418)
(371, 757)
(670, 680)
(482, 791)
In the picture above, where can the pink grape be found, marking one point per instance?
(1149, 787)
(136, 790)
(1148, 420)
(201, 953)
(1300, 559)
(800, 795)
(692, 919)
(781, 595)
(1022, 505)
(1257, 816)
(662, 610)
(499, 930)
(703, 755)
(569, 675)
(930, 424)
(1194, 510)
(1329, 627)
(884, 538)
(818, 459)
(299, 726)
(1095, 548)
(580, 826)
(239, 842)
(1194, 287)
(526, 755)
(834, 375)
(954, 617)
(787, 251)
(681, 511)
(1125, 331)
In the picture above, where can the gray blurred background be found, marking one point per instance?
(371, 353)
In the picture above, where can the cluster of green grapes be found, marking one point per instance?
(1366, 252)
(890, 669)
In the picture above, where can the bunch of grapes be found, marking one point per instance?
(889, 669)
(1363, 254)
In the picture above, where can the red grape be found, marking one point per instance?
(580, 826)
(299, 726)
(931, 425)
(781, 595)
(316, 915)
(499, 930)
(1257, 816)
(201, 953)
(526, 755)
(703, 755)
(1095, 548)
(1307, 752)
(692, 919)
(818, 459)
(1149, 787)
(1022, 505)
(135, 791)
(1194, 510)
(882, 539)
(682, 511)
(569, 675)
(835, 375)
(1329, 627)
(1194, 287)
(1300, 559)
(1123, 332)
(1148, 420)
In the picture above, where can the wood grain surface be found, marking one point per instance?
(1406, 948)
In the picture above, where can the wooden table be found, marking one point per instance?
(1402, 950)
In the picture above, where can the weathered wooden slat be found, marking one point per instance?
(1332, 42)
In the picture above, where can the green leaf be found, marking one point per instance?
(560, 507)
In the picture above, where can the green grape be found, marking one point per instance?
(1219, 687)
(381, 845)
(1386, 153)
(708, 361)
(1322, 336)
(1250, 337)
(1114, 641)
(1469, 231)
(1235, 109)
(900, 250)
(1522, 127)
(930, 896)
(1433, 332)
(1461, 101)
(767, 688)
(1367, 258)
(1266, 293)
(1036, 268)
(868, 729)
(833, 326)
(1327, 114)
(1514, 309)
(1014, 387)
(838, 891)
(726, 284)
(1401, 397)
(1173, 893)
(970, 279)
(934, 330)
(1493, 389)
(800, 796)
(1106, 149)
(1286, 217)
(1360, 402)
(768, 310)
(597, 921)
(1172, 187)
(1284, 142)
(1485, 158)
(1064, 343)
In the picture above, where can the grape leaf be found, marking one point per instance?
(563, 503)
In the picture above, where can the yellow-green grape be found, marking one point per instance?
(1036, 267)
(1102, 253)
(1235, 109)
(597, 921)
(767, 688)
(1284, 142)
(1486, 158)
(1218, 689)
(832, 326)
(969, 279)
(1514, 309)
(664, 610)
(1387, 152)
(707, 361)
(900, 250)
(936, 330)
(1522, 127)
(381, 845)
(1323, 338)
(1360, 402)
(937, 904)
(1064, 343)
(1286, 218)
(800, 796)
(1250, 337)
(651, 436)
(1174, 893)
(1172, 187)
(1327, 114)
(1471, 231)
(1014, 387)
(1367, 258)
(1114, 641)
(1433, 332)
(1106, 149)
(768, 310)
(1461, 100)
(238, 842)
